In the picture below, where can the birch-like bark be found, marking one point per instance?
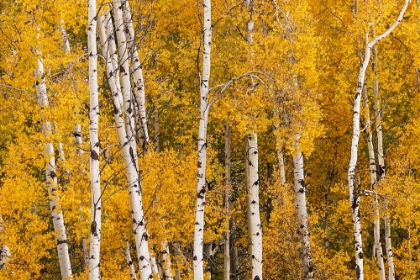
(354, 196)
(130, 263)
(64, 37)
(129, 152)
(137, 76)
(302, 214)
(280, 158)
(57, 215)
(202, 145)
(254, 219)
(154, 266)
(85, 253)
(77, 133)
(373, 181)
(388, 245)
(4, 255)
(124, 71)
(51, 177)
(95, 228)
(4, 250)
(228, 155)
(165, 261)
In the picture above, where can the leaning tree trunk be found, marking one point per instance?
(302, 214)
(51, 177)
(354, 196)
(129, 151)
(137, 76)
(202, 146)
(95, 229)
(381, 165)
(254, 220)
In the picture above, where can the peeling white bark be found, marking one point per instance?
(95, 228)
(129, 151)
(254, 219)
(202, 146)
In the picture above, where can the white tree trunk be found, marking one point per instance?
(51, 177)
(130, 262)
(137, 76)
(57, 215)
(85, 253)
(354, 196)
(254, 219)
(165, 261)
(95, 228)
(202, 145)
(228, 155)
(302, 215)
(77, 133)
(66, 43)
(388, 245)
(4, 250)
(124, 71)
(280, 158)
(129, 154)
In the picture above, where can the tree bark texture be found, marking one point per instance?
(302, 216)
(254, 219)
(95, 228)
(202, 145)
(137, 76)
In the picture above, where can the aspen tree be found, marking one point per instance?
(137, 76)
(165, 261)
(354, 195)
(51, 178)
(254, 220)
(96, 221)
(202, 145)
(130, 263)
(128, 149)
(300, 201)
